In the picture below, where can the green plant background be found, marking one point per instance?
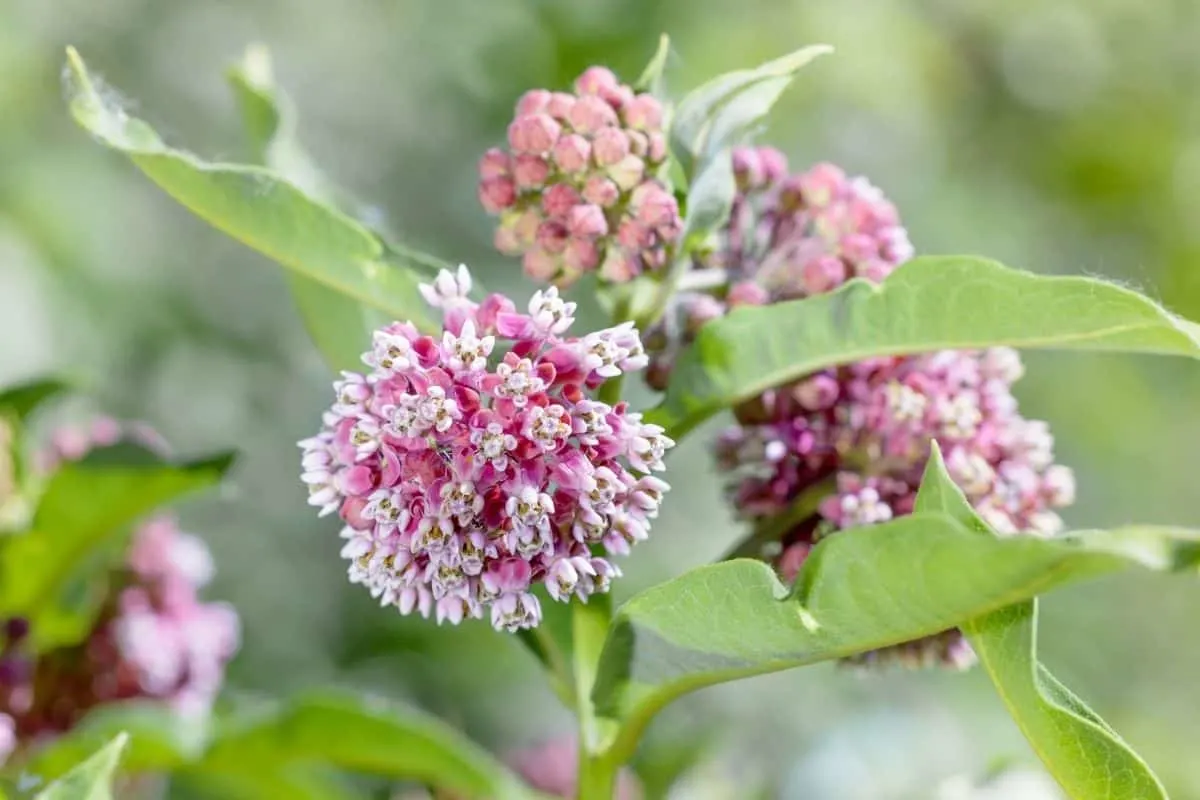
(1054, 135)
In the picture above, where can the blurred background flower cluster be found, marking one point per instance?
(1057, 135)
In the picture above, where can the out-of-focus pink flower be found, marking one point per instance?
(553, 768)
(473, 465)
(598, 148)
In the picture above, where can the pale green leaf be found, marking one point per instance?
(859, 590)
(20, 401)
(713, 116)
(1086, 756)
(652, 76)
(91, 779)
(256, 206)
(930, 303)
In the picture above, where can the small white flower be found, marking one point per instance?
(466, 351)
(518, 382)
(904, 403)
(550, 313)
(448, 288)
(389, 353)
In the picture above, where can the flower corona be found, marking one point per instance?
(472, 466)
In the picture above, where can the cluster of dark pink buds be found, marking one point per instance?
(859, 436)
(472, 466)
(154, 639)
(577, 190)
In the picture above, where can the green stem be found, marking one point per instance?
(610, 391)
(589, 624)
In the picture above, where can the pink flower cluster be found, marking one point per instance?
(848, 446)
(153, 639)
(576, 191)
(471, 466)
(789, 236)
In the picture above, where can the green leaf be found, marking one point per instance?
(160, 739)
(334, 321)
(256, 206)
(1087, 757)
(860, 590)
(55, 573)
(90, 780)
(719, 113)
(367, 737)
(18, 402)
(929, 303)
(652, 76)
(709, 200)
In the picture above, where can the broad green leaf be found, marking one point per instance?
(256, 206)
(367, 737)
(860, 590)
(91, 779)
(652, 76)
(253, 782)
(20, 401)
(1087, 757)
(160, 739)
(929, 303)
(334, 321)
(55, 572)
(715, 115)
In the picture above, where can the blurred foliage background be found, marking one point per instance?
(1058, 135)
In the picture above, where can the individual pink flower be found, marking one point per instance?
(858, 435)
(473, 465)
(153, 639)
(575, 168)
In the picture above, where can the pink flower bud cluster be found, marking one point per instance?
(472, 466)
(154, 639)
(789, 236)
(576, 190)
(858, 436)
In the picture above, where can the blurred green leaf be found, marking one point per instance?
(718, 114)
(334, 321)
(367, 737)
(55, 573)
(860, 590)
(253, 782)
(91, 779)
(709, 199)
(929, 303)
(256, 206)
(1087, 757)
(21, 401)
(651, 78)
(160, 739)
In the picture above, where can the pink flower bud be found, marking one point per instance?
(627, 173)
(747, 168)
(823, 273)
(530, 172)
(497, 194)
(774, 164)
(747, 293)
(494, 164)
(581, 255)
(590, 114)
(533, 102)
(526, 226)
(638, 143)
(609, 146)
(587, 221)
(558, 200)
(552, 237)
(618, 267)
(571, 153)
(632, 236)
(539, 265)
(656, 150)
(654, 206)
(618, 97)
(820, 184)
(643, 113)
(601, 191)
(533, 133)
(699, 309)
(816, 393)
(596, 80)
(560, 105)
